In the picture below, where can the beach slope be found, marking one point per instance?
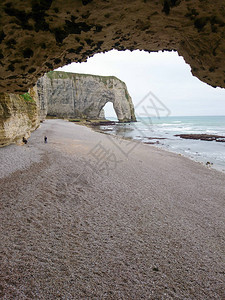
(91, 216)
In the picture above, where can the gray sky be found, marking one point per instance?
(165, 74)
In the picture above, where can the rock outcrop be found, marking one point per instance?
(38, 36)
(72, 95)
(203, 137)
(19, 116)
(61, 94)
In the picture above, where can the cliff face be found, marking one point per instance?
(19, 116)
(64, 95)
(39, 36)
(73, 95)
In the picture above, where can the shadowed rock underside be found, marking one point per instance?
(39, 36)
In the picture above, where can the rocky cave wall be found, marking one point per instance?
(72, 95)
(38, 36)
(19, 116)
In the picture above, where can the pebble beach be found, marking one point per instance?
(92, 216)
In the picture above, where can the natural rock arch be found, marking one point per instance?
(38, 36)
(123, 106)
(73, 95)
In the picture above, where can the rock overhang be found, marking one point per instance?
(38, 36)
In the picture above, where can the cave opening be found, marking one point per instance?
(163, 73)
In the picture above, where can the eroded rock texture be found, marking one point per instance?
(38, 36)
(73, 95)
(19, 116)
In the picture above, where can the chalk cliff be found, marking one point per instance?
(61, 94)
(73, 95)
(19, 116)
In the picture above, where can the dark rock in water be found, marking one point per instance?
(156, 138)
(103, 123)
(149, 143)
(203, 137)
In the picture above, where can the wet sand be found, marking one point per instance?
(90, 216)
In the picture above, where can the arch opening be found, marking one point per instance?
(108, 112)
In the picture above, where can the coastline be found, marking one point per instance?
(189, 144)
(209, 165)
(151, 227)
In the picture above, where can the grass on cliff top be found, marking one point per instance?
(65, 75)
(27, 97)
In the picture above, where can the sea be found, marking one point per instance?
(160, 132)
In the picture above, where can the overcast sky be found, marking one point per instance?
(165, 74)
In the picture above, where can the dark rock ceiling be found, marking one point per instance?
(39, 36)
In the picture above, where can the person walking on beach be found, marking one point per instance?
(45, 139)
(24, 140)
